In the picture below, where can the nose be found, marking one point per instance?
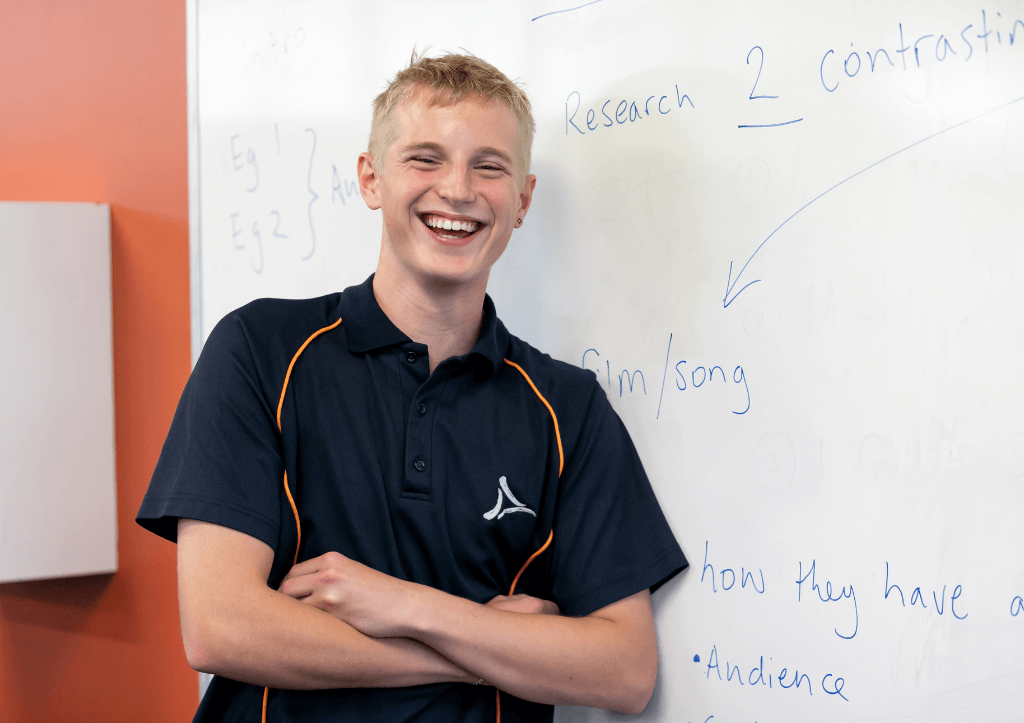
(456, 186)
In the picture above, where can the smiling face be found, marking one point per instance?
(449, 193)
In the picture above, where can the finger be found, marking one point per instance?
(551, 608)
(318, 601)
(512, 603)
(523, 604)
(300, 586)
(306, 567)
(530, 605)
(315, 601)
(499, 599)
(316, 564)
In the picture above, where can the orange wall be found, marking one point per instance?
(93, 108)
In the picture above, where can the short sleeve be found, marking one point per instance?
(221, 461)
(611, 539)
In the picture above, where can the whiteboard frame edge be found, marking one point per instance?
(194, 224)
(195, 236)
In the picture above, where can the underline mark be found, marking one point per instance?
(567, 10)
(770, 125)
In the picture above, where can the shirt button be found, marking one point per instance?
(422, 408)
(420, 465)
(411, 357)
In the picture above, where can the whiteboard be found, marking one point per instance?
(786, 237)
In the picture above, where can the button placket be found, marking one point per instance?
(416, 475)
(419, 425)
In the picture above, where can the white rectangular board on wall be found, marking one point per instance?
(788, 238)
(58, 515)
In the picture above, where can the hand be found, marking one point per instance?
(526, 604)
(372, 602)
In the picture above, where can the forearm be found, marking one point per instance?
(595, 661)
(607, 659)
(234, 625)
(271, 640)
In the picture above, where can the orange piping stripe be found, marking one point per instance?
(295, 358)
(298, 526)
(280, 405)
(526, 564)
(511, 590)
(551, 535)
(287, 489)
(558, 435)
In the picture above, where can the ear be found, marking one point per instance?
(526, 195)
(369, 181)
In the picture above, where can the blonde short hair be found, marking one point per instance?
(450, 79)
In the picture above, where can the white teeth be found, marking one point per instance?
(448, 224)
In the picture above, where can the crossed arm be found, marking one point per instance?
(335, 623)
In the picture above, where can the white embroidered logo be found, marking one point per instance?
(498, 512)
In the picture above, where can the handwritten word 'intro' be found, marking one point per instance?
(623, 112)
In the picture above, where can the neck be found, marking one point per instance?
(445, 317)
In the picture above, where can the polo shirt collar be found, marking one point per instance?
(366, 324)
(492, 345)
(369, 328)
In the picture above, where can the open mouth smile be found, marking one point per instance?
(450, 230)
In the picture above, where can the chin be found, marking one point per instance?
(443, 276)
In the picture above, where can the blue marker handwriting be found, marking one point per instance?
(273, 47)
(827, 594)
(762, 96)
(697, 375)
(918, 49)
(763, 674)
(620, 111)
(566, 10)
(341, 189)
(729, 576)
(918, 598)
(266, 178)
(687, 376)
(314, 196)
(240, 161)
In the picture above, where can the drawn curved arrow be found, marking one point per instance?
(731, 283)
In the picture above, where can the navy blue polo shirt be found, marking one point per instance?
(452, 479)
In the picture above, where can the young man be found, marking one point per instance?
(331, 472)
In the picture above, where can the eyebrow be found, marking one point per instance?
(425, 146)
(437, 148)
